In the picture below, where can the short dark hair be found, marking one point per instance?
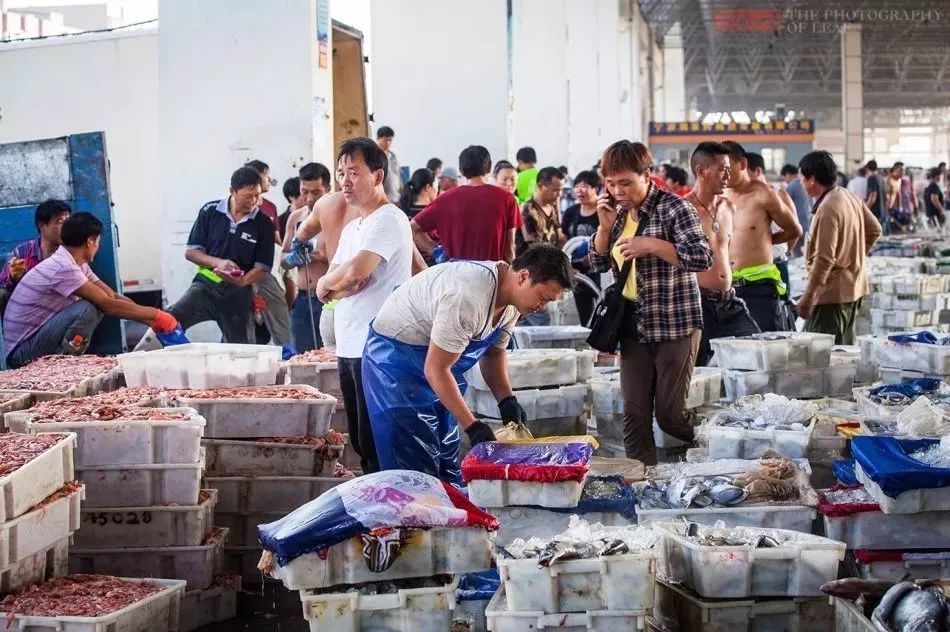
(705, 154)
(789, 169)
(820, 166)
(736, 151)
(257, 165)
(474, 161)
(315, 171)
(527, 155)
(292, 188)
(563, 169)
(590, 178)
(502, 164)
(49, 210)
(372, 155)
(385, 132)
(245, 177)
(79, 228)
(626, 156)
(546, 262)
(549, 173)
(756, 161)
(872, 165)
(433, 164)
(897, 165)
(677, 175)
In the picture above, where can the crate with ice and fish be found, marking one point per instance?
(753, 425)
(904, 476)
(922, 351)
(886, 401)
(863, 605)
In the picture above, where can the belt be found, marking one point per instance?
(303, 293)
(717, 295)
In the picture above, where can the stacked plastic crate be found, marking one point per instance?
(551, 385)
(551, 337)
(704, 394)
(792, 364)
(899, 303)
(910, 354)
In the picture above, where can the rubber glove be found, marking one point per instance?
(511, 410)
(479, 432)
(164, 323)
(299, 253)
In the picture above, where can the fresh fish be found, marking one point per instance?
(727, 494)
(911, 607)
(852, 588)
(692, 492)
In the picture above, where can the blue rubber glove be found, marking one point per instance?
(175, 337)
(299, 253)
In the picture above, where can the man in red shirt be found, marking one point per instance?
(476, 221)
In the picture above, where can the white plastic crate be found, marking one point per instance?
(902, 318)
(796, 568)
(869, 409)
(162, 525)
(15, 402)
(124, 441)
(912, 501)
(614, 582)
(897, 570)
(197, 565)
(37, 568)
(552, 337)
(156, 613)
(211, 605)
(324, 376)
(684, 611)
(405, 610)
(562, 401)
(39, 529)
(605, 394)
(267, 494)
(789, 517)
(225, 457)
(502, 618)
(27, 486)
(247, 418)
(505, 493)
(830, 381)
(913, 356)
(726, 442)
(763, 352)
(202, 365)
(533, 522)
(533, 368)
(849, 617)
(143, 485)
(611, 427)
(103, 382)
(705, 388)
(878, 530)
(437, 551)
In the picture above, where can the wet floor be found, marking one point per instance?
(267, 607)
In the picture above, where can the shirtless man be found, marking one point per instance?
(724, 314)
(754, 275)
(779, 251)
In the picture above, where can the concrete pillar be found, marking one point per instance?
(674, 76)
(852, 97)
(236, 83)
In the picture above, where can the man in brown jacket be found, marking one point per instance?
(843, 230)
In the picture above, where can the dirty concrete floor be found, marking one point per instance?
(267, 607)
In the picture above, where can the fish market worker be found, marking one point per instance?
(428, 333)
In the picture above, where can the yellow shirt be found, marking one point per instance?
(629, 230)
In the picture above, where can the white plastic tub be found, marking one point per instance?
(615, 582)
(727, 442)
(533, 522)
(533, 368)
(143, 485)
(246, 418)
(897, 570)
(831, 381)
(267, 494)
(505, 493)
(202, 365)
(405, 610)
(913, 356)
(324, 376)
(15, 402)
(225, 457)
(552, 337)
(850, 618)
(39, 529)
(611, 427)
(502, 618)
(878, 530)
(683, 610)
(162, 525)
(762, 352)
(124, 441)
(156, 613)
(197, 565)
(437, 551)
(705, 389)
(203, 607)
(27, 486)
(562, 401)
(797, 568)
(912, 501)
(789, 517)
(37, 568)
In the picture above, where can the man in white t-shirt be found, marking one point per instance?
(373, 258)
(432, 330)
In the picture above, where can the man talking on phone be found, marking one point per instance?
(232, 243)
(48, 218)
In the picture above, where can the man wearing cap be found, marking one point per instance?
(449, 179)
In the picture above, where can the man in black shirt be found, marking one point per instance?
(580, 220)
(933, 199)
(232, 243)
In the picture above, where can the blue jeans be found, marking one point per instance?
(301, 325)
(56, 335)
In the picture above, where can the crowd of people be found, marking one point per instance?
(415, 281)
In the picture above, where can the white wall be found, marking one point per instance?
(233, 87)
(87, 84)
(439, 77)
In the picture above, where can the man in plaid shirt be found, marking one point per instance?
(661, 235)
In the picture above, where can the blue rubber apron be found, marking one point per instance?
(411, 427)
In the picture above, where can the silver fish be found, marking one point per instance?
(910, 607)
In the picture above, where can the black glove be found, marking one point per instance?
(511, 410)
(479, 432)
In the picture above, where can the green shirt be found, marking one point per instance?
(527, 185)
